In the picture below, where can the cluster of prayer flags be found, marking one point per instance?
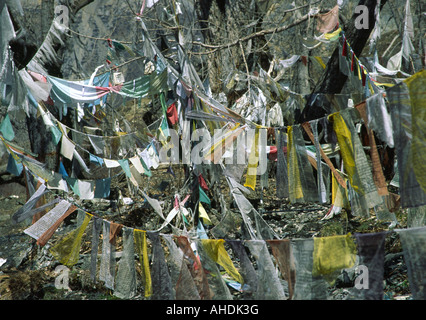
(203, 268)
(301, 265)
(360, 183)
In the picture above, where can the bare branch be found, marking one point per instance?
(260, 33)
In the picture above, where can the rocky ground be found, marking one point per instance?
(27, 271)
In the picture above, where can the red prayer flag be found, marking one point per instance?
(172, 115)
(344, 48)
(202, 182)
(363, 76)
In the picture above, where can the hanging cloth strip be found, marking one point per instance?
(27, 209)
(249, 213)
(332, 254)
(6, 128)
(287, 63)
(161, 281)
(301, 179)
(195, 267)
(322, 190)
(269, 286)
(216, 251)
(125, 287)
(96, 231)
(45, 222)
(183, 283)
(57, 183)
(42, 240)
(307, 286)
(371, 250)
(217, 285)
(142, 86)
(416, 88)
(70, 92)
(414, 244)
(327, 22)
(247, 271)
(282, 174)
(378, 175)
(221, 142)
(67, 250)
(281, 249)
(354, 158)
(142, 249)
(344, 138)
(13, 166)
(67, 147)
(336, 174)
(378, 118)
(339, 198)
(107, 267)
(295, 185)
(407, 108)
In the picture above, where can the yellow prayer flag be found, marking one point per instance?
(219, 147)
(359, 70)
(203, 215)
(333, 254)
(295, 184)
(339, 195)
(416, 87)
(319, 59)
(344, 138)
(67, 250)
(142, 249)
(332, 35)
(216, 251)
(253, 161)
(370, 87)
(384, 84)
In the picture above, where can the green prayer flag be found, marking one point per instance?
(124, 163)
(14, 167)
(6, 128)
(163, 103)
(56, 134)
(203, 197)
(147, 171)
(73, 183)
(164, 128)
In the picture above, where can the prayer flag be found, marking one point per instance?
(142, 249)
(102, 188)
(413, 242)
(67, 147)
(253, 161)
(13, 166)
(6, 128)
(124, 163)
(67, 250)
(203, 197)
(45, 222)
(172, 115)
(217, 252)
(331, 254)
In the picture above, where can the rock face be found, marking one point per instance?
(97, 20)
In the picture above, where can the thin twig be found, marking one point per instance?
(247, 68)
(248, 37)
